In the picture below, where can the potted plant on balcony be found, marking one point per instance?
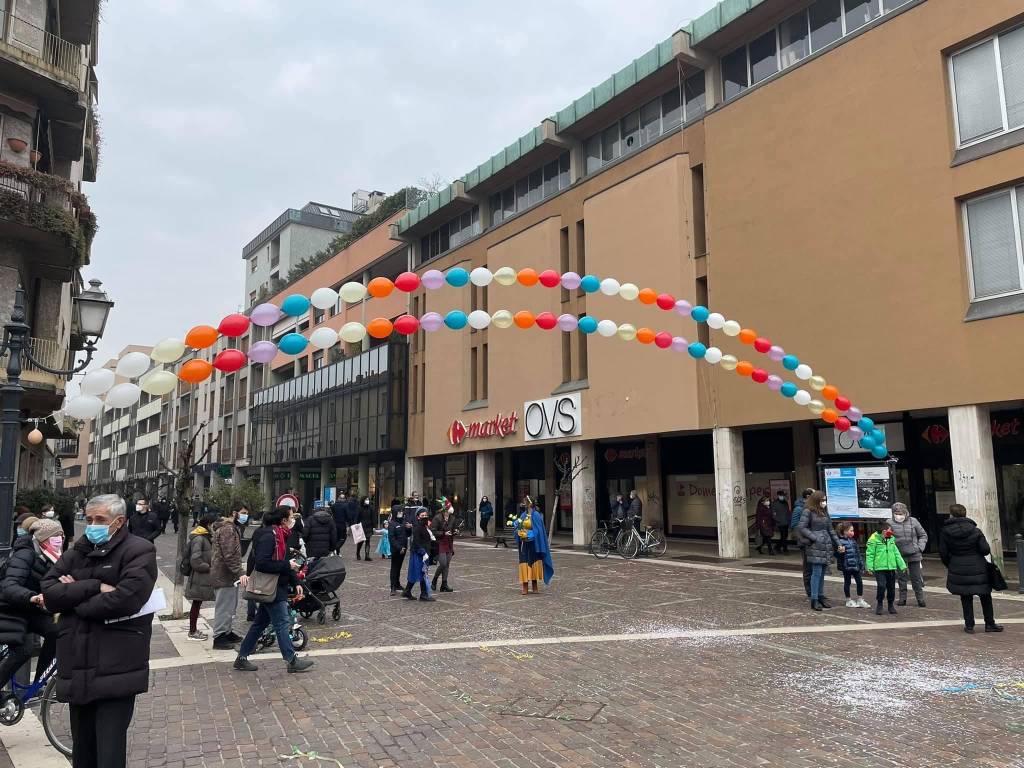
(36, 156)
(17, 145)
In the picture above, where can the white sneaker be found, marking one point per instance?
(862, 603)
(851, 603)
(197, 635)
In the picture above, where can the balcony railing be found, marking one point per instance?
(66, 448)
(63, 60)
(48, 352)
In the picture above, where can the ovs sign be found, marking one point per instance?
(553, 417)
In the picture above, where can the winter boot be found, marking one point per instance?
(299, 665)
(815, 605)
(919, 594)
(892, 608)
(878, 609)
(534, 585)
(526, 588)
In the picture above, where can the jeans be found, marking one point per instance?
(224, 604)
(855, 575)
(99, 733)
(967, 603)
(916, 579)
(275, 613)
(817, 581)
(250, 610)
(885, 587)
(397, 559)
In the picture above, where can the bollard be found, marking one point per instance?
(1020, 563)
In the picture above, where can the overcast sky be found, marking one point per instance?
(219, 114)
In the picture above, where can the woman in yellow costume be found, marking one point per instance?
(534, 553)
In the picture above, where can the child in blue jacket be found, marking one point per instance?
(851, 564)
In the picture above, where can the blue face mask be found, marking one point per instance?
(97, 534)
(243, 519)
(22, 531)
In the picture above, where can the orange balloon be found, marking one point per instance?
(829, 416)
(743, 368)
(528, 277)
(647, 296)
(830, 393)
(379, 327)
(380, 287)
(748, 336)
(645, 335)
(201, 337)
(195, 371)
(523, 318)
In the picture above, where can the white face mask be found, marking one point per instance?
(899, 518)
(48, 513)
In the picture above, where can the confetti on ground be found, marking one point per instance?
(342, 635)
(512, 652)
(298, 754)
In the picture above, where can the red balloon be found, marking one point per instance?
(666, 301)
(233, 326)
(762, 345)
(842, 424)
(549, 278)
(760, 375)
(407, 282)
(546, 320)
(842, 404)
(664, 340)
(406, 324)
(229, 360)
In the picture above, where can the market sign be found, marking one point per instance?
(499, 426)
(553, 417)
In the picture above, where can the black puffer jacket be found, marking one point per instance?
(962, 547)
(144, 524)
(96, 660)
(321, 535)
(20, 584)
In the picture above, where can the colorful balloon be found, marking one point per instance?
(607, 328)
(323, 338)
(646, 336)
(133, 365)
(201, 337)
(803, 372)
(353, 332)
(817, 383)
(158, 383)
(568, 323)
(549, 278)
(759, 375)
(323, 298)
(610, 286)
(774, 383)
(842, 404)
(292, 343)
(233, 325)
(456, 319)
(381, 287)
(626, 331)
(571, 281)
(762, 345)
(406, 324)
(195, 371)
(854, 413)
(229, 360)
(744, 368)
(843, 424)
(699, 314)
(683, 307)
(546, 321)
(788, 389)
(432, 279)
(879, 451)
(456, 277)
(481, 277)
(263, 351)
(856, 433)
(380, 327)
(295, 305)
(587, 324)
(790, 362)
(407, 282)
(351, 292)
(776, 353)
(867, 442)
(816, 407)
(170, 350)
(866, 424)
(478, 319)
(502, 319)
(802, 397)
(263, 315)
(84, 407)
(97, 382)
(697, 350)
(629, 291)
(505, 276)
(679, 344)
(648, 296)
(729, 362)
(713, 355)
(829, 416)
(715, 321)
(731, 328)
(663, 340)
(829, 392)
(747, 336)
(524, 318)
(665, 301)
(527, 276)
(590, 284)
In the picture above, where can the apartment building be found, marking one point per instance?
(842, 176)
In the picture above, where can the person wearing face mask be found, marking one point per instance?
(419, 557)
(486, 510)
(815, 532)
(295, 530)
(225, 573)
(144, 523)
(48, 512)
(366, 515)
(400, 525)
(781, 513)
(911, 538)
(22, 611)
(883, 558)
(24, 521)
(98, 586)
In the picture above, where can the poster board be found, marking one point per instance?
(859, 491)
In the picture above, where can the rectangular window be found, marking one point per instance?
(252, 264)
(994, 245)
(508, 202)
(671, 110)
(318, 360)
(793, 39)
(522, 194)
(536, 186)
(496, 208)
(826, 23)
(734, 72)
(592, 153)
(551, 178)
(860, 12)
(763, 61)
(484, 374)
(474, 391)
(252, 298)
(988, 87)
(693, 90)
(631, 132)
(650, 121)
(610, 146)
(563, 171)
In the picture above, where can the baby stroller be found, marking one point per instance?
(321, 578)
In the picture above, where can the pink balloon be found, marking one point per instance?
(679, 344)
(855, 432)
(567, 322)
(265, 314)
(431, 321)
(263, 351)
(776, 353)
(774, 383)
(432, 279)
(854, 414)
(571, 281)
(683, 308)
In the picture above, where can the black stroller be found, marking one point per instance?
(320, 583)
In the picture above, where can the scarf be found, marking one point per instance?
(280, 536)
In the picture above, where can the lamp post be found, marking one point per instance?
(90, 310)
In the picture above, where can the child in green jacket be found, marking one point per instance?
(884, 558)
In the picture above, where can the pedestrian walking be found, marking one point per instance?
(911, 538)
(883, 558)
(339, 511)
(400, 524)
(444, 528)
(963, 549)
(144, 523)
(781, 512)
(226, 573)
(242, 527)
(321, 535)
(419, 559)
(366, 519)
(97, 587)
(199, 585)
(163, 513)
(764, 521)
(794, 521)
(535, 560)
(851, 565)
(820, 542)
(270, 556)
(296, 527)
(486, 511)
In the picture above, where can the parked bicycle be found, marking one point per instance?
(55, 715)
(603, 540)
(630, 543)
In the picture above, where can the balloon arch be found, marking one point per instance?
(99, 391)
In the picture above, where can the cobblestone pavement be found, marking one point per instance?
(615, 664)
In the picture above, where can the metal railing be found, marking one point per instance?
(31, 193)
(66, 448)
(64, 59)
(47, 351)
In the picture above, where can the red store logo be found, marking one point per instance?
(499, 426)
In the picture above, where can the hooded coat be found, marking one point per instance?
(911, 538)
(816, 534)
(25, 569)
(963, 547)
(321, 535)
(226, 562)
(200, 553)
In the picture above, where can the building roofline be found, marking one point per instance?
(297, 216)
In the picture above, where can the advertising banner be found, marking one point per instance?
(859, 492)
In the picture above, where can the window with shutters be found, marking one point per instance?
(988, 87)
(995, 251)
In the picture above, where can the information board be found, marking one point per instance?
(859, 491)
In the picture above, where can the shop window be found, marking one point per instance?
(988, 87)
(994, 249)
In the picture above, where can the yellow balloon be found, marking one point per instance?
(502, 319)
(816, 407)
(505, 276)
(731, 328)
(627, 332)
(168, 351)
(817, 383)
(352, 332)
(628, 291)
(352, 292)
(158, 383)
(729, 362)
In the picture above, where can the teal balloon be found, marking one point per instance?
(590, 284)
(456, 319)
(879, 451)
(697, 350)
(867, 442)
(879, 436)
(700, 314)
(292, 343)
(295, 305)
(587, 324)
(866, 424)
(457, 277)
(789, 389)
(791, 362)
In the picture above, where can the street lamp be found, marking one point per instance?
(89, 312)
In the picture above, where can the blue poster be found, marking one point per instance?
(859, 492)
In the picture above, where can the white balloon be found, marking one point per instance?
(97, 382)
(628, 291)
(802, 397)
(123, 396)
(479, 319)
(133, 365)
(324, 298)
(83, 407)
(502, 319)
(322, 338)
(505, 276)
(731, 328)
(803, 372)
(352, 332)
(168, 351)
(481, 276)
(715, 321)
(610, 286)
(352, 292)
(713, 355)
(607, 328)
(158, 383)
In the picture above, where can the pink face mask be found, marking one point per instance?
(52, 548)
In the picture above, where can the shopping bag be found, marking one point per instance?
(357, 533)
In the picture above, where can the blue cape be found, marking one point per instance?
(540, 544)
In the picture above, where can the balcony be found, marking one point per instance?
(66, 448)
(48, 212)
(43, 391)
(42, 52)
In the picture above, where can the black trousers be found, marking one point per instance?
(807, 572)
(784, 538)
(885, 587)
(397, 559)
(967, 603)
(100, 733)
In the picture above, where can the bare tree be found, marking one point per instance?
(183, 471)
(432, 183)
(568, 470)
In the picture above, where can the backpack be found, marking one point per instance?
(185, 566)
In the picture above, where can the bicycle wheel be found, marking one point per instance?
(621, 538)
(56, 717)
(604, 547)
(595, 541)
(658, 544)
(630, 546)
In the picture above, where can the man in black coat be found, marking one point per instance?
(163, 513)
(321, 535)
(339, 510)
(144, 523)
(107, 576)
(399, 529)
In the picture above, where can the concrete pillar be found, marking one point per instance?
(267, 484)
(550, 486)
(730, 493)
(364, 475)
(974, 471)
(325, 470)
(653, 504)
(237, 476)
(804, 457)
(293, 479)
(584, 494)
(413, 476)
(484, 483)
